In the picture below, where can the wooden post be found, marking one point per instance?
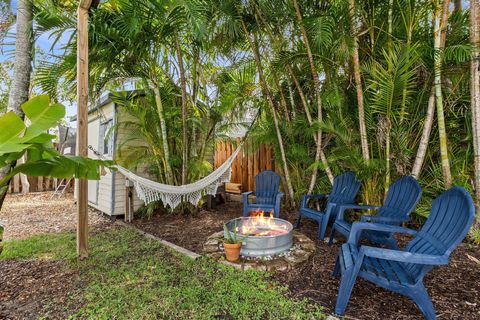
(16, 183)
(82, 123)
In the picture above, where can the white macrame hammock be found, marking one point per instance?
(172, 196)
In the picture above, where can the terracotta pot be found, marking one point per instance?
(232, 251)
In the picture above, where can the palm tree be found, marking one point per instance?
(358, 81)
(475, 96)
(388, 83)
(440, 18)
(317, 89)
(20, 87)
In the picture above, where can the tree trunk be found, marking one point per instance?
(458, 5)
(266, 92)
(427, 128)
(440, 23)
(21, 73)
(317, 88)
(283, 101)
(475, 98)
(310, 122)
(163, 128)
(292, 100)
(358, 82)
(183, 86)
(390, 23)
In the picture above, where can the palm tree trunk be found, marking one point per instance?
(440, 24)
(183, 87)
(310, 122)
(387, 154)
(358, 82)
(427, 128)
(290, 95)
(475, 97)
(390, 23)
(163, 128)
(458, 5)
(283, 101)
(317, 88)
(266, 92)
(19, 91)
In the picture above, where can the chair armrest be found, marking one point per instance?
(279, 196)
(343, 207)
(246, 194)
(381, 219)
(358, 227)
(404, 256)
(306, 197)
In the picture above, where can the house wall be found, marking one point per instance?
(108, 195)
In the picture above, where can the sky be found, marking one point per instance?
(44, 42)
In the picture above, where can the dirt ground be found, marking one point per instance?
(39, 212)
(455, 289)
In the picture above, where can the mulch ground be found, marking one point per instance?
(30, 288)
(455, 289)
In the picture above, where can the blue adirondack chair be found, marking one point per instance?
(450, 219)
(267, 196)
(344, 190)
(403, 195)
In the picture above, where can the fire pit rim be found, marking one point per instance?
(289, 225)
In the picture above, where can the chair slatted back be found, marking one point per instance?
(267, 184)
(403, 195)
(447, 225)
(344, 190)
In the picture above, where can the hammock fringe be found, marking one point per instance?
(172, 196)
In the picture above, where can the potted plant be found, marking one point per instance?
(232, 244)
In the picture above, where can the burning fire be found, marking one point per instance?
(259, 225)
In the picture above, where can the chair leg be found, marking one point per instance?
(392, 243)
(336, 269)
(347, 281)
(423, 301)
(322, 227)
(321, 233)
(297, 224)
(332, 234)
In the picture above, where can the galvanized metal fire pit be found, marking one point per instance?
(262, 236)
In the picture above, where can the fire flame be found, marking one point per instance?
(260, 225)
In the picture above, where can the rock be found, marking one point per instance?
(210, 248)
(278, 265)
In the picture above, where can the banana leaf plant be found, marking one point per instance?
(34, 141)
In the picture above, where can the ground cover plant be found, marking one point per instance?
(129, 276)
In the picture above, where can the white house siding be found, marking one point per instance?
(103, 199)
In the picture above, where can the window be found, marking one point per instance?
(106, 137)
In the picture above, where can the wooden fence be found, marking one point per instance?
(36, 184)
(247, 164)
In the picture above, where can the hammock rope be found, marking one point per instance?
(172, 196)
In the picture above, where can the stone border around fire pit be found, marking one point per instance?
(300, 252)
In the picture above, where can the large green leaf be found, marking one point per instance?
(11, 127)
(42, 115)
(63, 167)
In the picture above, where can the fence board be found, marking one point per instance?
(36, 184)
(16, 183)
(247, 164)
